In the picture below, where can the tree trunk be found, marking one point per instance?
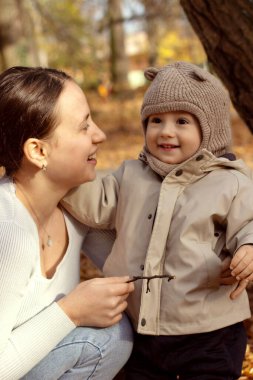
(225, 29)
(158, 14)
(151, 30)
(9, 27)
(118, 59)
(17, 40)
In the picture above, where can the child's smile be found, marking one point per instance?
(168, 147)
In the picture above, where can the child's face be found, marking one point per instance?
(173, 137)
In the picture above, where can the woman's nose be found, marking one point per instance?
(98, 136)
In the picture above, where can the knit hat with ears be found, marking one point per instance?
(182, 86)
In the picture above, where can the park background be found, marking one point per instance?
(106, 44)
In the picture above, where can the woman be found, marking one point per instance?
(48, 145)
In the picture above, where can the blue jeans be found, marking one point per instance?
(87, 353)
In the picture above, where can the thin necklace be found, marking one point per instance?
(49, 238)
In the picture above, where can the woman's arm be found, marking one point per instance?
(97, 302)
(22, 346)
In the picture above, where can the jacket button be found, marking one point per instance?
(143, 322)
(216, 234)
(142, 267)
(149, 216)
(200, 157)
(179, 172)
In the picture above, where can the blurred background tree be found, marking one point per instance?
(17, 34)
(118, 57)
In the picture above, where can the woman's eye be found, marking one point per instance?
(86, 126)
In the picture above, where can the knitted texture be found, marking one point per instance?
(182, 86)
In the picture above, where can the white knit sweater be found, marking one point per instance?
(31, 322)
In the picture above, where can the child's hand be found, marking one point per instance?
(227, 279)
(242, 269)
(242, 263)
(239, 289)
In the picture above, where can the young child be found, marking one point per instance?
(182, 209)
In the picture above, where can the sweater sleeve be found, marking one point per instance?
(240, 216)
(22, 347)
(95, 203)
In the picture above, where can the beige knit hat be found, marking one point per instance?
(182, 86)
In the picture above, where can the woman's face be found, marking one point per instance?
(73, 145)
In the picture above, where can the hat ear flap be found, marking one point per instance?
(150, 73)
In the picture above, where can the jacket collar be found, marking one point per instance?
(200, 164)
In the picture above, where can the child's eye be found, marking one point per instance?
(182, 121)
(155, 120)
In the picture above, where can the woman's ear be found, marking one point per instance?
(35, 152)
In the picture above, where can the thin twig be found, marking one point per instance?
(135, 278)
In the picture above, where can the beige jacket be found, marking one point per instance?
(183, 225)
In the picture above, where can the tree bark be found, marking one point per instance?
(225, 29)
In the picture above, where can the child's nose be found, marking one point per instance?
(168, 129)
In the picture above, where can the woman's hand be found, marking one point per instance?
(99, 302)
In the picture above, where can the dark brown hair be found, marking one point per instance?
(28, 96)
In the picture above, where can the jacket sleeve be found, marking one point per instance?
(95, 203)
(23, 345)
(240, 216)
(97, 245)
